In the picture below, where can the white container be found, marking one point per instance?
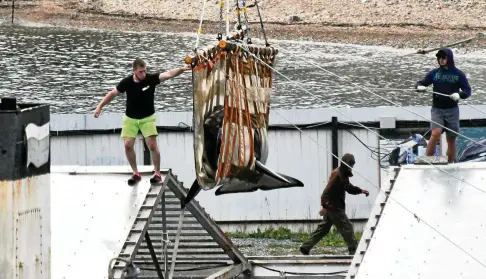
(421, 151)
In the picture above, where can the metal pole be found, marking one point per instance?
(153, 255)
(227, 18)
(165, 236)
(13, 9)
(176, 245)
(334, 139)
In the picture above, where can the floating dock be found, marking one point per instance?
(426, 224)
(97, 217)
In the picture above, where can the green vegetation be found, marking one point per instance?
(333, 239)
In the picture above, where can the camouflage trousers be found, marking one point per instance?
(343, 226)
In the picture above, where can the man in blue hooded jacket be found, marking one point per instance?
(448, 80)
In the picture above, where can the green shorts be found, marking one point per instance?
(130, 127)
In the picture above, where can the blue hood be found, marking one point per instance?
(450, 57)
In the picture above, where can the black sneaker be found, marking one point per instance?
(134, 179)
(304, 251)
(155, 179)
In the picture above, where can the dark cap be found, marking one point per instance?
(441, 54)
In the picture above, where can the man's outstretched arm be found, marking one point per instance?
(426, 81)
(355, 190)
(173, 73)
(109, 96)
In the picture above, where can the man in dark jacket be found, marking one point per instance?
(333, 207)
(448, 80)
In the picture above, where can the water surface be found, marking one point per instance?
(72, 70)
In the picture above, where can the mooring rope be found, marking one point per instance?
(433, 92)
(386, 99)
(275, 70)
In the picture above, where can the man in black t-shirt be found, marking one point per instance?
(140, 112)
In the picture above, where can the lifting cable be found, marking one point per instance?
(220, 33)
(199, 29)
(261, 24)
(360, 124)
(388, 100)
(479, 35)
(247, 23)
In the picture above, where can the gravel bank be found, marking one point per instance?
(460, 13)
(273, 247)
(416, 24)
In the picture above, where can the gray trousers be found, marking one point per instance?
(343, 226)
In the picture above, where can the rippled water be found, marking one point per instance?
(72, 70)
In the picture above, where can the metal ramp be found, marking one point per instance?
(430, 226)
(203, 250)
(139, 231)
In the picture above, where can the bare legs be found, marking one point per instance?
(130, 153)
(154, 150)
(451, 145)
(451, 149)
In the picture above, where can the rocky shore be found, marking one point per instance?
(415, 24)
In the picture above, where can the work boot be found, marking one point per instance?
(304, 251)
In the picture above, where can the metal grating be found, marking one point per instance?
(139, 231)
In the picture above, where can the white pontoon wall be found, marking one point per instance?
(291, 152)
(302, 155)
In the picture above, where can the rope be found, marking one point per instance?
(461, 179)
(388, 100)
(389, 197)
(283, 272)
(379, 189)
(238, 14)
(261, 24)
(441, 94)
(433, 92)
(227, 19)
(199, 29)
(478, 35)
(220, 33)
(247, 23)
